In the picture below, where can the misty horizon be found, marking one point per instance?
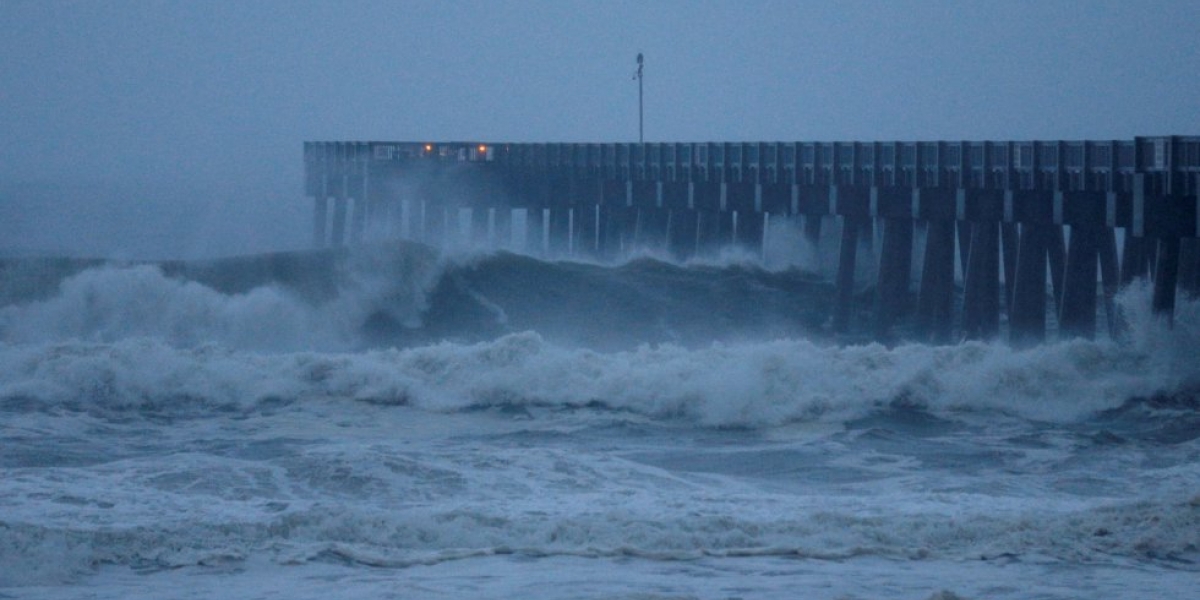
(152, 130)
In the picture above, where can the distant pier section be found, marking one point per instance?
(1030, 229)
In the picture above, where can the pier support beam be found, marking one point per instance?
(726, 235)
(479, 224)
(559, 233)
(1166, 271)
(895, 265)
(1110, 280)
(395, 217)
(682, 233)
(320, 219)
(1008, 244)
(853, 204)
(1189, 266)
(502, 227)
(338, 235)
(843, 305)
(1027, 313)
(981, 298)
(583, 230)
(964, 247)
(606, 241)
(356, 187)
(358, 221)
(1056, 251)
(628, 228)
(708, 230)
(866, 238)
(706, 200)
(935, 303)
(613, 205)
(651, 228)
(1134, 262)
(535, 230)
(812, 234)
(1077, 314)
(619, 226)
(749, 231)
(434, 232)
(814, 203)
(421, 213)
(681, 219)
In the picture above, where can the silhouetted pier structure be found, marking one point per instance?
(1020, 224)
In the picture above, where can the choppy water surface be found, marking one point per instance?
(401, 424)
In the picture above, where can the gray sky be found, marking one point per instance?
(175, 128)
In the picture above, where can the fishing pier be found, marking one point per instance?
(1024, 226)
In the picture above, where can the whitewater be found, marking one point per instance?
(397, 421)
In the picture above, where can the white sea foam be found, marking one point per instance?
(117, 303)
(139, 338)
(742, 385)
(114, 302)
(374, 507)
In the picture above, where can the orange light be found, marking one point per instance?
(482, 149)
(429, 147)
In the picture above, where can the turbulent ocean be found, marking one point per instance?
(400, 422)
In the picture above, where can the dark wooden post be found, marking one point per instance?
(1166, 276)
(706, 197)
(894, 207)
(559, 233)
(750, 230)
(891, 293)
(612, 206)
(682, 233)
(338, 237)
(1027, 316)
(502, 226)
(847, 258)
(535, 230)
(358, 214)
(981, 298)
(1077, 314)
(583, 225)
(1189, 266)
(1057, 253)
(1008, 244)
(964, 246)
(320, 218)
(680, 219)
(853, 203)
(1109, 279)
(1134, 263)
(935, 303)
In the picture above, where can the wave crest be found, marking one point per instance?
(751, 385)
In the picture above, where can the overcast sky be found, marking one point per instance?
(213, 99)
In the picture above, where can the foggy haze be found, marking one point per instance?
(173, 129)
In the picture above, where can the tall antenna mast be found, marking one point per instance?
(641, 138)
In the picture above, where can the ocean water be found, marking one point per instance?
(395, 422)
